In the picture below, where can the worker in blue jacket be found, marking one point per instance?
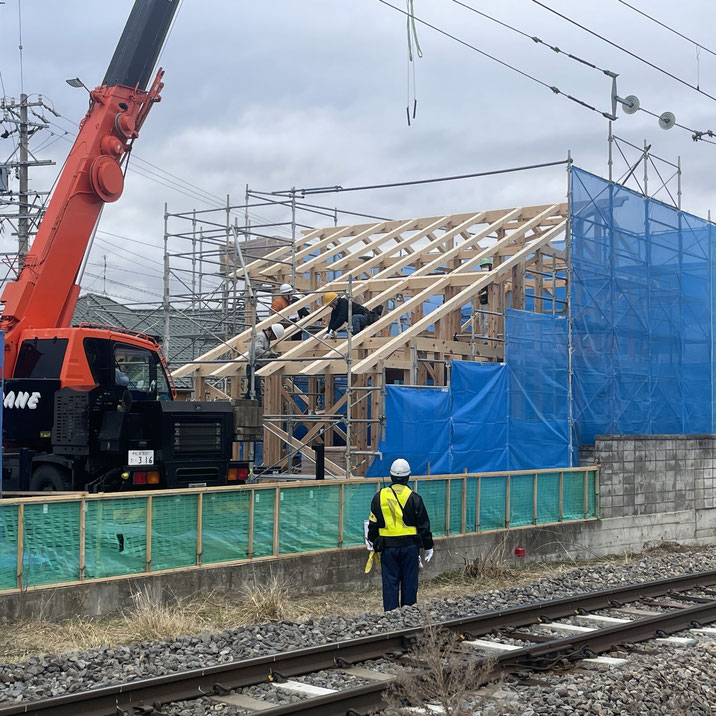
(398, 527)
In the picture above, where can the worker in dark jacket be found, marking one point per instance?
(397, 528)
(360, 316)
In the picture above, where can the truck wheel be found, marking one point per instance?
(48, 478)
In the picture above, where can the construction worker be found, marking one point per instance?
(482, 296)
(285, 298)
(259, 353)
(398, 527)
(360, 317)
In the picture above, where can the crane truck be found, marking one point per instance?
(93, 407)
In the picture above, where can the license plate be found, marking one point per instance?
(141, 457)
(196, 484)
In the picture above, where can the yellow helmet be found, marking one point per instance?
(329, 297)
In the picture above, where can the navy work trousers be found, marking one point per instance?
(399, 566)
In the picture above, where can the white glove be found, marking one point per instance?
(330, 334)
(369, 545)
(428, 555)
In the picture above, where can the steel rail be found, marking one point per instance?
(113, 700)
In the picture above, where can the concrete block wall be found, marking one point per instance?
(652, 474)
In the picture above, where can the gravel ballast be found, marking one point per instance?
(40, 677)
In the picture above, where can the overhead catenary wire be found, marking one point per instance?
(667, 27)
(534, 38)
(552, 88)
(623, 49)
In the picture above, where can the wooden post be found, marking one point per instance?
(199, 527)
(463, 507)
(477, 508)
(250, 547)
(597, 506)
(20, 543)
(534, 499)
(561, 495)
(586, 494)
(447, 507)
(83, 535)
(507, 501)
(341, 495)
(149, 535)
(276, 518)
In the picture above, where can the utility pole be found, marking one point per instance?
(15, 120)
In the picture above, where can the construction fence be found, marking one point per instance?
(73, 538)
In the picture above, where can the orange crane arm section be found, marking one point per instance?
(46, 291)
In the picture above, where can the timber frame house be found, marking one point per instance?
(404, 266)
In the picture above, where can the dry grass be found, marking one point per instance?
(449, 675)
(145, 620)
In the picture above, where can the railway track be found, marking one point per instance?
(528, 637)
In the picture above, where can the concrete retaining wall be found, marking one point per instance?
(652, 474)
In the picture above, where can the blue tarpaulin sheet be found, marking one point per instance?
(494, 416)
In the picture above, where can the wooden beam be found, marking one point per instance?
(460, 299)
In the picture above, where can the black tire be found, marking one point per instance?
(49, 478)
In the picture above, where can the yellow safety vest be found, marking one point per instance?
(392, 510)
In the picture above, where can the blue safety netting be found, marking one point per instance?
(538, 411)
(641, 314)
(494, 416)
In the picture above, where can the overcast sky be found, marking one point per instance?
(281, 93)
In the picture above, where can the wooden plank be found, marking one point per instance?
(148, 563)
(276, 520)
(460, 299)
(83, 537)
(20, 544)
(199, 527)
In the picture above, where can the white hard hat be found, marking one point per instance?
(285, 288)
(400, 468)
(278, 330)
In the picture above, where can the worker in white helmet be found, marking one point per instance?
(259, 354)
(287, 296)
(398, 527)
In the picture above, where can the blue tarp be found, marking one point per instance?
(494, 416)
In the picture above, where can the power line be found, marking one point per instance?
(338, 189)
(623, 49)
(534, 38)
(553, 88)
(666, 27)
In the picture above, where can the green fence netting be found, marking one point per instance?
(356, 508)
(573, 507)
(225, 526)
(263, 522)
(115, 537)
(51, 538)
(8, 546)
(548, 497)
(174, 523)
(308, 518)
(521, 499)
(493, 493)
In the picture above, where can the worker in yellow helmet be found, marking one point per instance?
(398, 527)
(360, 315)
